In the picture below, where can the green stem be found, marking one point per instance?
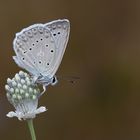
(31, 128)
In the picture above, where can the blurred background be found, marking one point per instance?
(103, 50)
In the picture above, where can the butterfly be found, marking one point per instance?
(39, 49)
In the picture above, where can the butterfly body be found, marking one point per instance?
(40, 48)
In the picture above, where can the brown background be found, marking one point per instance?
(103, 50)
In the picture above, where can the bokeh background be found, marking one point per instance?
(103, 50)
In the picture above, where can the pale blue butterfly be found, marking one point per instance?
(40, 48)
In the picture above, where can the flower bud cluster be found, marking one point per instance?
(20, 88)
(23, 94)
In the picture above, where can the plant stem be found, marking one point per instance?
(31, 128)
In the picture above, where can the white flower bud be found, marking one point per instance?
(27, 79)
(8, 95)
(16, 90)
(11, 90)
(30, 90)
(21, 91)
(22, 81)
(28, 83)
(14, 96)
(7, 87)
(26, 75)
(14, 83)
(19, 97)
(35, 91)
(24, 87)
(19, 85)
(9, 81)
(21, 73)
(34, 97)
(26, 95)
(17, 77)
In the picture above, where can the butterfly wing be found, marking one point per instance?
(39, 48)
(33, 46)
(60, 30)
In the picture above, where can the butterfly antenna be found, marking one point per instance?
(71, 79)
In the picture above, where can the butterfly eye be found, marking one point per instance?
(47, 45)
(54, 34)
(30, 49)
(54, 80)
(39, 62)
(51, 50)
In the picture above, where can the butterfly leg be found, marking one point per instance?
(44, 90)
(35, 79)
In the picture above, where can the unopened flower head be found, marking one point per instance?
(23, 94)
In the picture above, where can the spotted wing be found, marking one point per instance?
(60, 30)
(34, 47)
